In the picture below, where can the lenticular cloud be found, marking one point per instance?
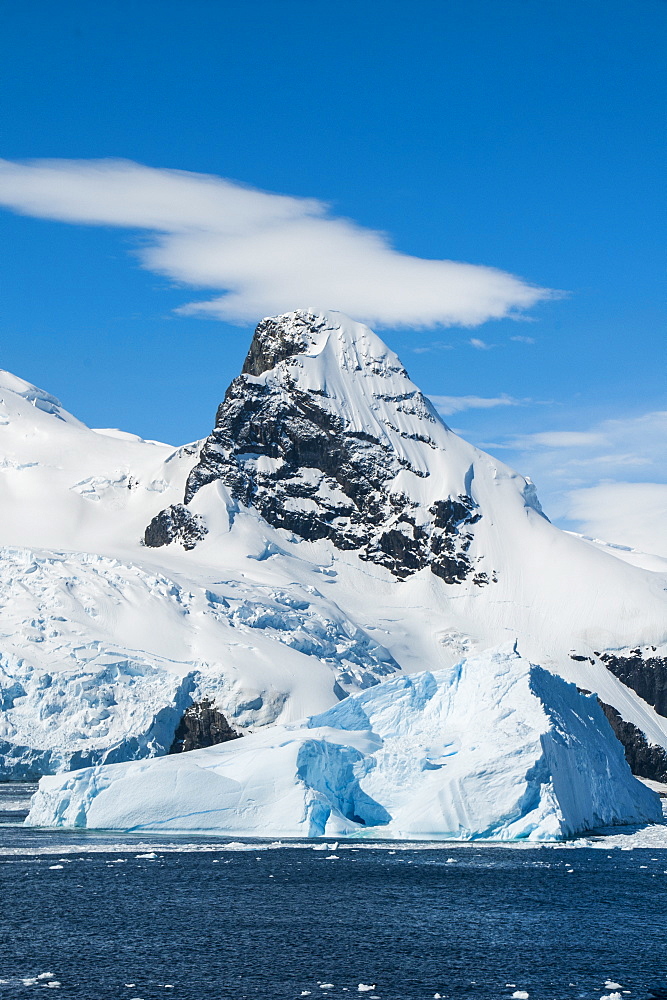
(264, 252)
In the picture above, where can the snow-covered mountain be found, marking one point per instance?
(328, 533)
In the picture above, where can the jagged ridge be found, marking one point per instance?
(278, 447)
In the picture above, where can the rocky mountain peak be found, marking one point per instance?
(326, 437)
(280, 337)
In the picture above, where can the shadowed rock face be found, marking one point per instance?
(202, 726)
(274, 342)
(645, 674)
(647, 760)
(304, 469)
(176, 523)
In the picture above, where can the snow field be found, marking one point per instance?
(99, 659)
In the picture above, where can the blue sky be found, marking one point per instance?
(527, 137)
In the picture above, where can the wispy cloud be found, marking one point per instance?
(613, 444)
(435, 345)
(480, 345)
(447, 405)
(523, 340)
(265, 252)
(592, 477)
(559, 439)
(633, 514)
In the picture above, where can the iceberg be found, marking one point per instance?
(492, 748)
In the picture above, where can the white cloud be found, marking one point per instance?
(523, 340)
(604, 450)
(480, 345)
(608, 481)
(633, 514)
(267, 253)
(446, 405)
(435, 345)
(560, 439)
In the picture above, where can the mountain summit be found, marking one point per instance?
(326, 437)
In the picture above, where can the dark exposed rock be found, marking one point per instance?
(307, 470)
(644, 673)
(274, 342)
(451, 542)
(176, 523)
(327, 482)
(324, 480)
(647, 760)
(202, 725)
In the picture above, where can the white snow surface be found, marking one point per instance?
(103, 642)
(492, 748)
(99, 659)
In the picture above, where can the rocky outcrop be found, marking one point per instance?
(175, 524)
(202, 725)
(274, 342)
(647, 760)
(308, 470)
(645, 673)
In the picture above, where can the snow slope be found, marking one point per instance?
(325, 437)
(65, 486)
(348, 533)
(491, 748)
(644, 560)
(551, 587)
(102, 647)
(99, 659)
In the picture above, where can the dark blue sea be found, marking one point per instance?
(106, 917)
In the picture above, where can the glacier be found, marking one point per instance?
(492, 748)
(83, 680)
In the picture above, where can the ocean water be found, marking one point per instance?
(111, 917)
